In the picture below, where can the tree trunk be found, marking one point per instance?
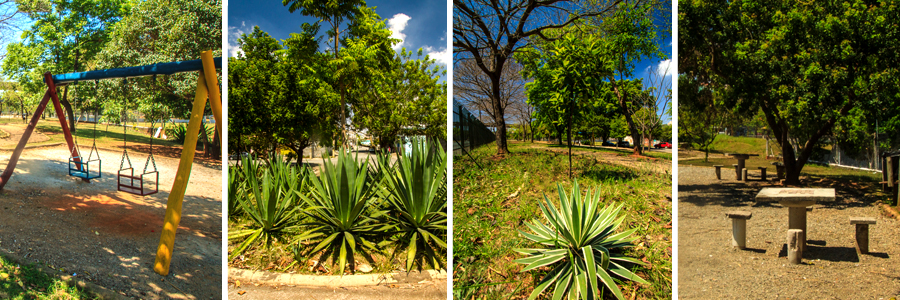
(68, 106)
(499, 121)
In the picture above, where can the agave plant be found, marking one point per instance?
(417, 190)
(270, 204)
(581, 241)
(341, 222)
(235, 186)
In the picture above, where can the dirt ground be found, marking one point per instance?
(709, 268)
(412, 286)
(108, 237)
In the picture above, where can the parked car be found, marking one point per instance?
(608, 144)
(666, 145)
(625, 144)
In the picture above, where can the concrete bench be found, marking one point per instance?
(779, 169)
(739, 227)
(862, 233)
(718, 172)
(737, 171)
(762, 173)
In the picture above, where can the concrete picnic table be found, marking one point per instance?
(740, 165)
(796, 200)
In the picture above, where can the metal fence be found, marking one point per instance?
(468, 131)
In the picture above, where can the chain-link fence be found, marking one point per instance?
(468, 131)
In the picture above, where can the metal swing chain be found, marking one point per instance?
(75, 147)
(151, 158)
(94, 139)
(124, 128)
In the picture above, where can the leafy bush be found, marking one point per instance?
(581, 240)
(341, 221)
(270, 204)
(417, 192)
(179, 132)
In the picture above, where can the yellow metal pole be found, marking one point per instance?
(215, 101)
(176, 196)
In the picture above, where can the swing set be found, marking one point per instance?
(127, 181)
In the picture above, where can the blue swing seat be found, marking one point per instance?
(89, 169)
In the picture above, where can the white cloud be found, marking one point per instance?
(396, 24)
(667, 67)
(442, 56)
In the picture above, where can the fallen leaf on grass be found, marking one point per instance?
(242, 293)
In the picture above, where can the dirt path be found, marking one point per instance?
(622, 159)
(15, 134)
(434, 290)
(109, 237)
(709, 268)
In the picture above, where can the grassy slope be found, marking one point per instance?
(486, 221)
(729, 144)
(26, 282)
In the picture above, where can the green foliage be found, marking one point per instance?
(236, 186)
(581, 241)
(418, 198)
(806, 66)
(270, 203)
(341, 222)
(178, 133)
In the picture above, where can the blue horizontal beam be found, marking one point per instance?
(148, 70)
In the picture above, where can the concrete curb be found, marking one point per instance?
(88, 287)
(331, 281)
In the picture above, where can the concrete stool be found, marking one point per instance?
(779, 170)
(762, 173)
(744, 174)
(737, 172)
(862, 233)
(795, 241)
(718, 172)
(739, 227)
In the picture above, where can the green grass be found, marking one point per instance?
(812, 171)
(486, 221)
(105, 137)
(27, 282)
(622, 151)
(736, 144)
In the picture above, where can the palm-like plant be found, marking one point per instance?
(274, 207)
(581, 240)
(340, 219)
(417, 190)
(235, 186)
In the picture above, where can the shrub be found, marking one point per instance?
(417, 191)
(178, 133)
(270, 203)
(341, 221)
(581, 243)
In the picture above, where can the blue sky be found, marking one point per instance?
(421, 24)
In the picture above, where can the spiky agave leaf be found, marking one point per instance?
(418, 197)
(581, 242)
(270, 204)
(341, 222)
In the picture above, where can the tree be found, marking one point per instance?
(490, 32)
(157, 31)
(63, 38)
(655, 103)
(334, 12)
(10, 18)
(806, 66)
(471, 87)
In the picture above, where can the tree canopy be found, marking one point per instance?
(808, 66)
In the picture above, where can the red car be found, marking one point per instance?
(663, 145)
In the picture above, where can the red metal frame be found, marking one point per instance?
(139, 188)
(50, 94)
